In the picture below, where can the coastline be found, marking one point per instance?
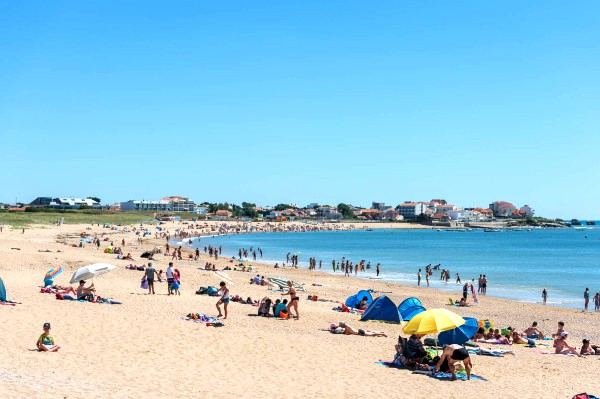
(146, 333)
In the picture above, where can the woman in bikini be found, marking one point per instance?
(294, 299)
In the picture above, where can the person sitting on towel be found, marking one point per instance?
(533, 332)
(85, 293)
(415, 349)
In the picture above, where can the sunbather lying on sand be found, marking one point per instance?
(517, 339)
(346, 329)
(589, 349)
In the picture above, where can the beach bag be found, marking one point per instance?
(283, 314)
(144, 284)
(175, 285)
(584, 396)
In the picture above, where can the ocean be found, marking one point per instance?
(518, 264)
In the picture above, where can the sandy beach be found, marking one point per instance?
(144, 348)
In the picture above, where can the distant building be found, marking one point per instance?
(371, 214)
(502, 208)
(529, 211)
(223, 214)
(144, 205)
(201, 210)
(64, 202)
(439, 201)
(181, 204)
(411, 210)
(378, 205)
(312, 205)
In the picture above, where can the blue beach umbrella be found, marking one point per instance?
(460, 334)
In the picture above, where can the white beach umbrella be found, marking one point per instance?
(91, 271)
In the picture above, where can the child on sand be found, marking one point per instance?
(45, 342)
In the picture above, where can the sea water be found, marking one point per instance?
(518, 264)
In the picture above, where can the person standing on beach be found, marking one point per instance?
(378, 269)
(484, 285)
(223, 300)
(427, 277)
(150, 273)
(544, 296)
(586, 298)
(419, 277)
(293, 301)
(597, 301)
(170, 278)
(479, 283)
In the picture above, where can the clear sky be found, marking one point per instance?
(305, 101)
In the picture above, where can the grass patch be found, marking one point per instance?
(19, 220)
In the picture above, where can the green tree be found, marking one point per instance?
(345, 210)
(282, 207)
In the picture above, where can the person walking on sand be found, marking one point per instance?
(150, 273)
(544, 296)
(419, 278)
(294, 299)
(586, 298)
(224, 291)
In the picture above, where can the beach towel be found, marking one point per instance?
(282, 284)
(390, 364)
(448, 376)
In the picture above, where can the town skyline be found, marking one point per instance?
(435, 209)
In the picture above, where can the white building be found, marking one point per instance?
(411, 210)
(529, 211)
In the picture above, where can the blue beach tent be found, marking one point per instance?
(2, 291)
(354, 300)
(382, 309)
(409, 308)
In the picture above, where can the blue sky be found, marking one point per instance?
(303, 102)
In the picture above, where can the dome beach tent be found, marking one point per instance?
(382, 309)
(354, 300)
(409, 308)
(3, 299)
(2, 291)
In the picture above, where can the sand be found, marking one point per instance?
(143, 348)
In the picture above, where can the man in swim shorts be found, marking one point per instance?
(454, 354)
(150, 272)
